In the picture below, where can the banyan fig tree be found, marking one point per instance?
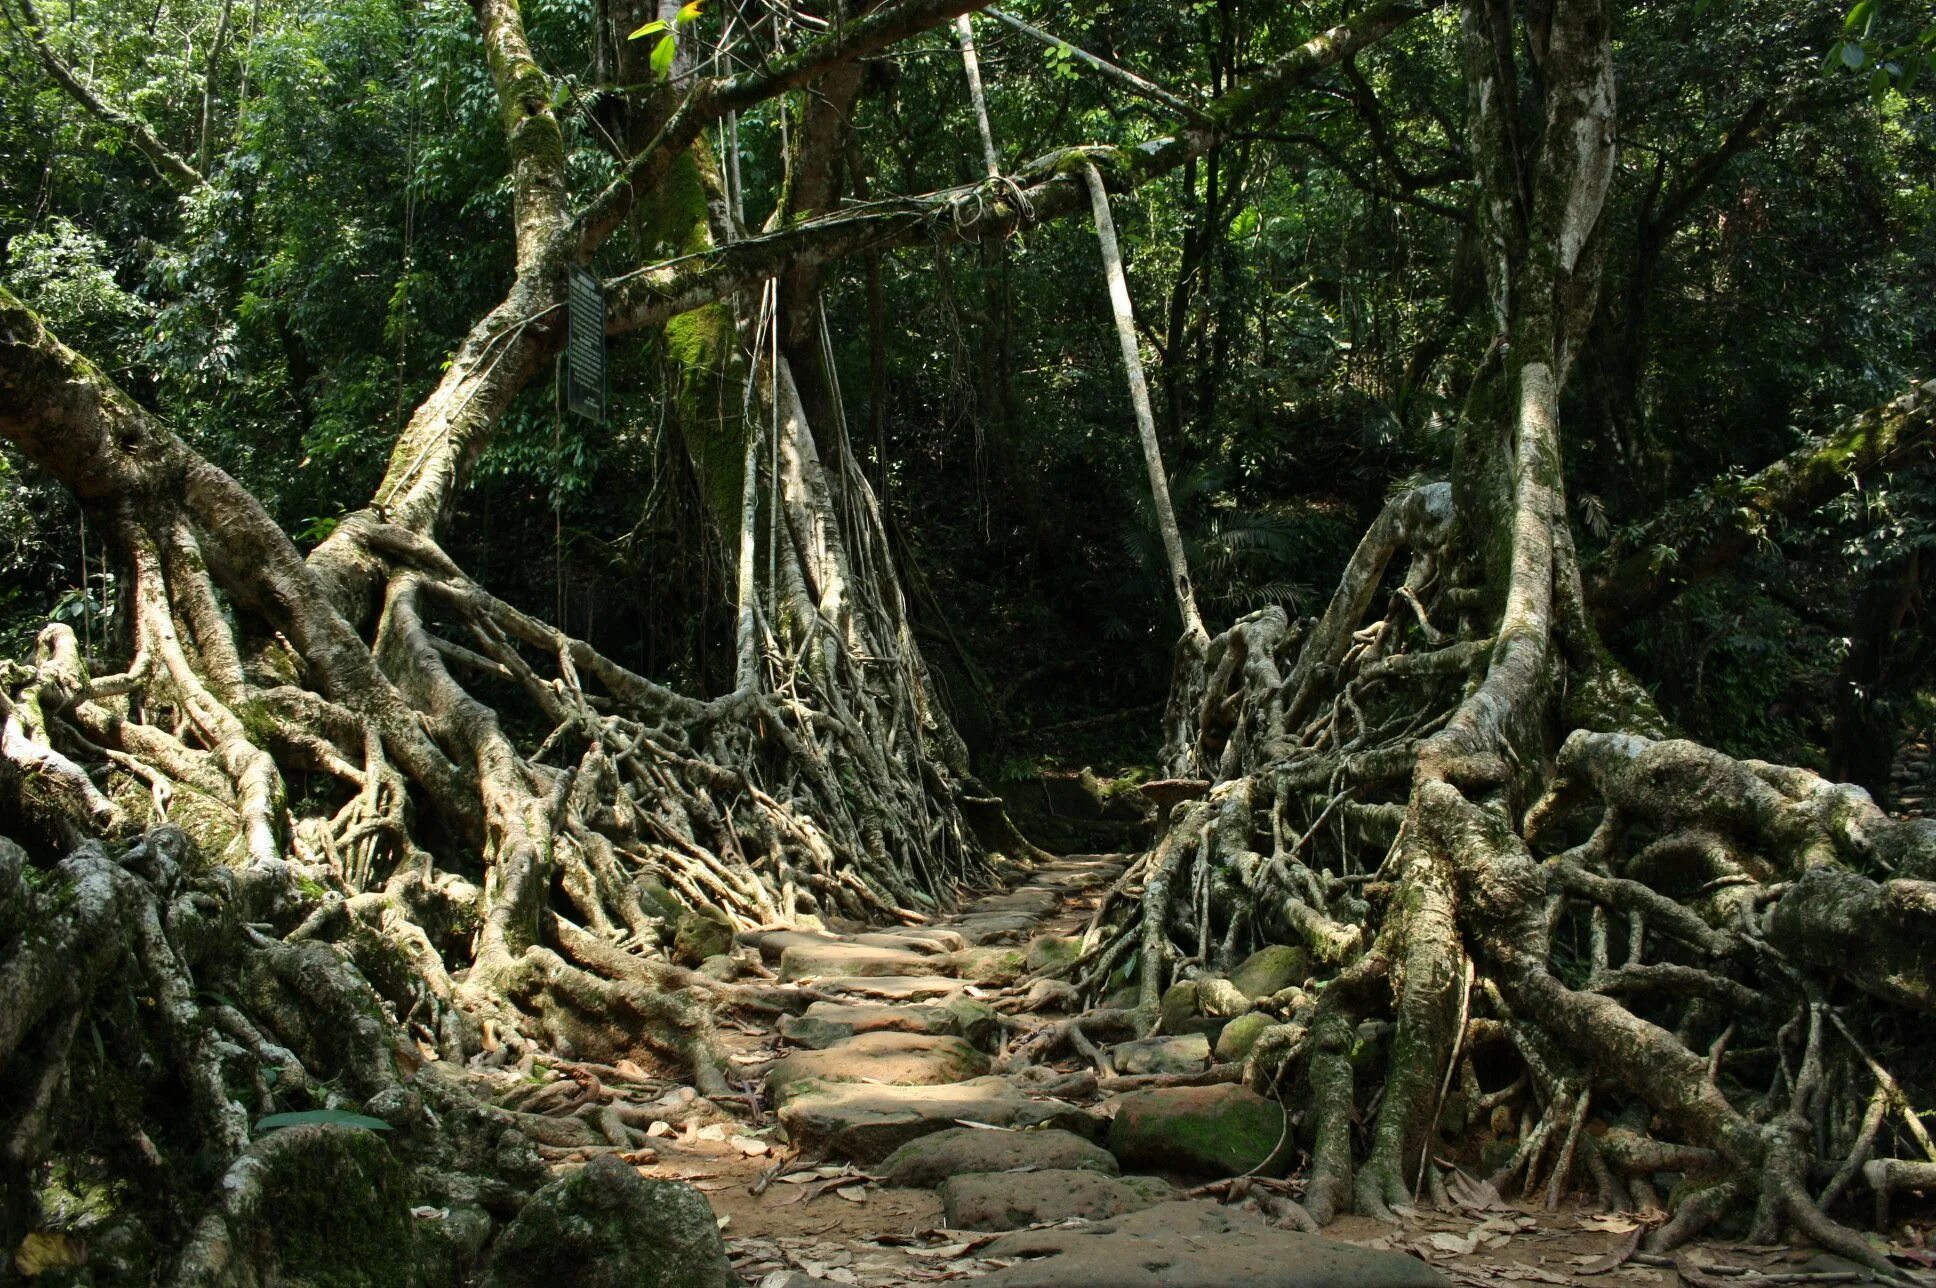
(1523, 898)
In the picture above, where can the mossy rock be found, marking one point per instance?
(1214, 1131)
(977, 1023)
(605, 1226)
(701, 933)
(1045, 952)
(996, 967)
(1178, 1005)
(1240, 1035)
(658, 900)
(928, 1161)
(330, 1209)
(1272, 970)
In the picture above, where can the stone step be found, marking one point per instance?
(916, 939)
(1194, 1244)
(893, 1059)
(920, 939)
(924, 1163)
(817, 961)
(893, 988)
(1023, 902)
(996, 928)
(1016, 1200)
(826, 1023)
(866, 1123)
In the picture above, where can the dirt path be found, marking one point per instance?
(918, 1037)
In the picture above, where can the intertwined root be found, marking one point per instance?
(1663, 964)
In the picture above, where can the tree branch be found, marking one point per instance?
(1046, 188)
(1707, 533)
(1115, 75)
(711, 98)
(172, 166)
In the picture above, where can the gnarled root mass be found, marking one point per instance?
(1633, 965)
(395, 809)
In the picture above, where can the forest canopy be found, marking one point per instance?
(1449, 484)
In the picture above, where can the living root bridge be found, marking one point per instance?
(1669, 961)
(496, 890)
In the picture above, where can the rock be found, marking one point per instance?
(1188, 1053)
(980, 1026)
(1240, 1035)
(1048, 951)
(772, 943)
(867, 1123)
(863, 961)
(1217, 1131)
(996, 967)
(790, 1279)
(1272, 970)
(723, 967)
(605, 1226)
(701, 933)
(314, 1196)
(1178, 1005)
(893, 988)
(658, 900)
(826, 1023)
(924, 1163)
(1195, 1245)
(1011, 1200)
(1025, 902)
(895, 1059)
(920, 939)
(995, 928)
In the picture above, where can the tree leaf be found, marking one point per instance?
(320, 1118)
(663, 54)
(648, 29)
(689, 13)
(1853, 55)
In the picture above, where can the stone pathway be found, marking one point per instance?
(889, 1147)
(885, 1141)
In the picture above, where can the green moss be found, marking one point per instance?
(336, 1212)
(1222, 1130)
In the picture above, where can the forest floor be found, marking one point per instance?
(920, 1034)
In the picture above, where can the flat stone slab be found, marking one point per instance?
(1074, 877)
(826, 1023)
(1185, 1053)
(817, 961)
(772, 943)
(866, 1123)
(924, 1163)
(895, 1059)
(1023, 902)
(893, 988)
(1196, 1245)
(996, 928)
(1015, 1200)
(920, 939)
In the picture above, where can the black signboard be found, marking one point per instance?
(585, 385)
